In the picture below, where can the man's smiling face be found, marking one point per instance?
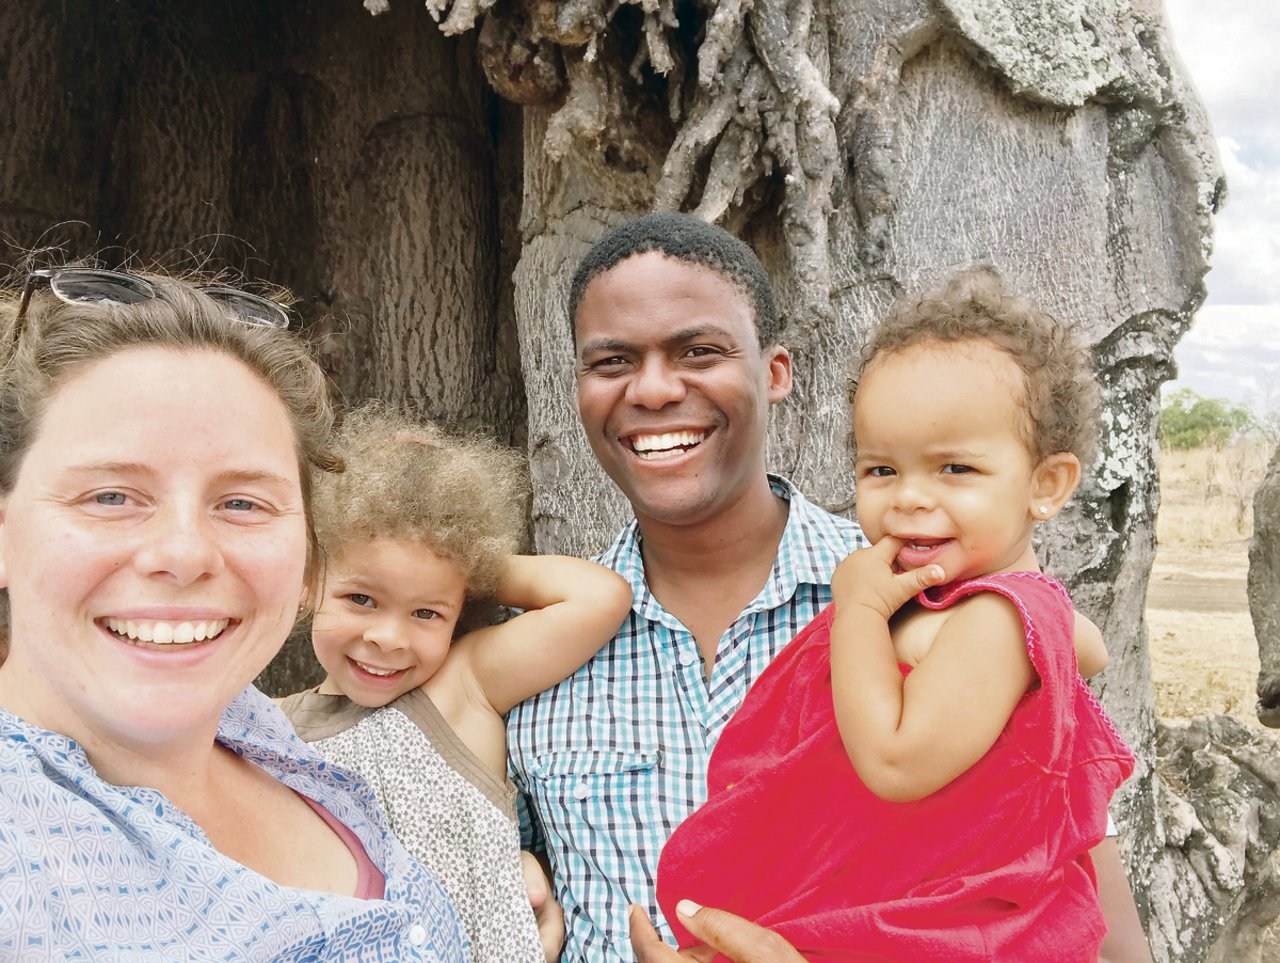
(673, 387)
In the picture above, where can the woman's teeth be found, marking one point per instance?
(167, 633)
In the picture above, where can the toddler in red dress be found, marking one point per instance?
(921, 773)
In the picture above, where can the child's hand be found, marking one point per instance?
(869, 578)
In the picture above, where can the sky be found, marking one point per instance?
(1233, 349)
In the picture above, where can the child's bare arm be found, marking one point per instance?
(1091, 651)
(572, 608)
(910, 737)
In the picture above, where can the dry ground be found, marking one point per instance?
(1204, 659)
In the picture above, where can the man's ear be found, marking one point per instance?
(1053, 481)
(779, 361)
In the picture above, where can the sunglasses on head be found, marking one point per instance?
(78, 285)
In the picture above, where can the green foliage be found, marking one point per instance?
(1189, 421)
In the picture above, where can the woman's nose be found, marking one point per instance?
(180, 543)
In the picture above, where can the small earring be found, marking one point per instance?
(1044, 509)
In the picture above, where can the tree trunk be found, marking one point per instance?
(863, 147)
(359, 161)
(867, 149)
(1264, 590)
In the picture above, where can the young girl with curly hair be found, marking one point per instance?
(420, 533)
(921, 774)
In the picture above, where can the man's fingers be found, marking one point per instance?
(535, 880)
(546, 911)
(736, 938)
(646, 942)
(648, 945)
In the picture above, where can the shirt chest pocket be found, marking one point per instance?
(595, 784)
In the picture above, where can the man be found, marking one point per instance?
(677, 366)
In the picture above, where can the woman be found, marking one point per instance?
(156, 440)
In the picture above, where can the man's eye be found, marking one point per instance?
(109, 498)
(701, 351)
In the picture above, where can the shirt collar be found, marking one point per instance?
(813, 543)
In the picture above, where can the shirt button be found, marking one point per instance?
(581, 791)
(687, 658)
(417, 934)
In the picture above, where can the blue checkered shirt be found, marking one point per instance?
(615, 757)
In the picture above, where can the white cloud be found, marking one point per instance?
(1246, 255)
(1233, 352)
(1229, 48)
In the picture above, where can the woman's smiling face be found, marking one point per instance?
(153, 545)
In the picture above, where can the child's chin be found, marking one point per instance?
(376, 699)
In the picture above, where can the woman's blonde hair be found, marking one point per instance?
(462, 496)
(56, 340)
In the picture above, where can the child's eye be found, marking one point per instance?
(956, 469)
(357, 598)
(879, 471)
(426, 614)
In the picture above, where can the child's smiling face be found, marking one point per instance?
(386, 619)
(943, 459)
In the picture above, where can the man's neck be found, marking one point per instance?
(707, 572)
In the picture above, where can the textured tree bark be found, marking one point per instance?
(1264, 590)
(359, 161)
(866, 149)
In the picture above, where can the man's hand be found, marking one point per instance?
(870, 578)
(546, 911)
(738, 939)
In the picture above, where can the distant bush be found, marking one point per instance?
(1188, 420)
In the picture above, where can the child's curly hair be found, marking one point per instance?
(1062, 399)
(464, 497)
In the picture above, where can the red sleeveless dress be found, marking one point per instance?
(993, 866)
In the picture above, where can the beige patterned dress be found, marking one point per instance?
(447, 808)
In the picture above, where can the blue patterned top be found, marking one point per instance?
(615, 757)
(92, 871)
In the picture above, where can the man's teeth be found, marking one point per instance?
(667, 445)
(167, 633)
(374, 670)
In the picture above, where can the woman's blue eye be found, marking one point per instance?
(109, 498)
(239, 504)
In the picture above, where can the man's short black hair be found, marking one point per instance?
(689, 239)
